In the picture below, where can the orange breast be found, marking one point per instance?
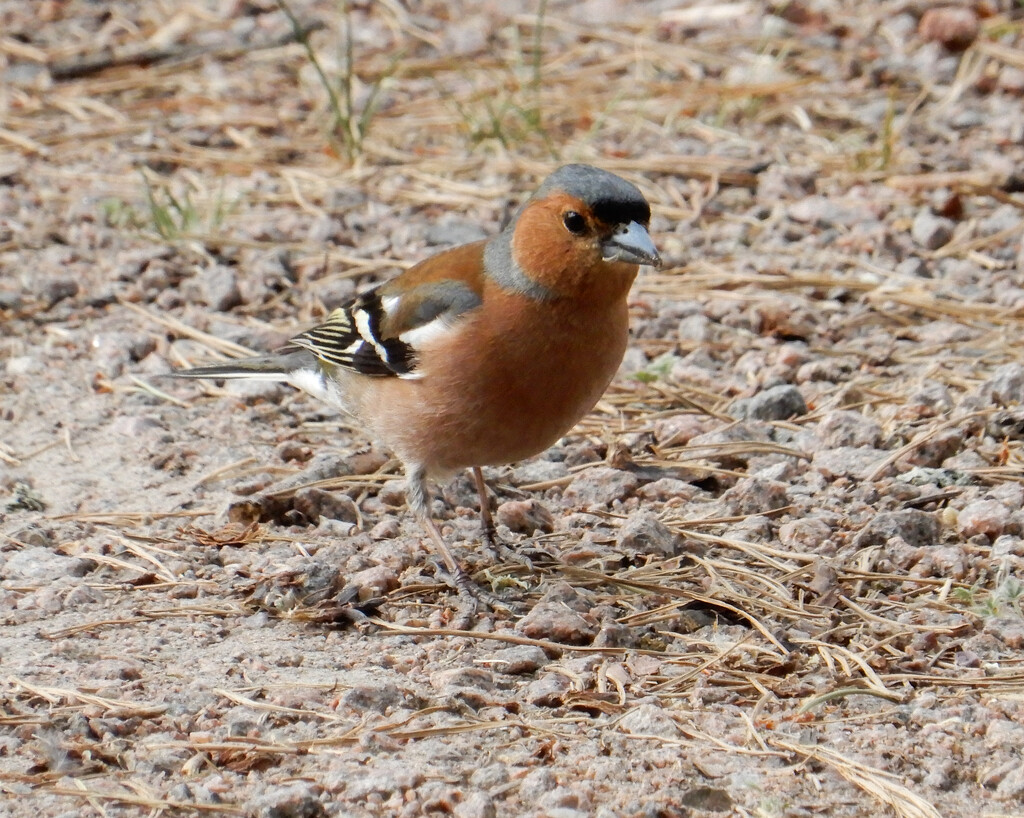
(500, 391)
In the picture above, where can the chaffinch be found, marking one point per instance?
(486, 353)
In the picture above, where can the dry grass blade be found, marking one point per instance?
(922, 438)
(156, 805)
(219, 345)
(114, 708)
(267, 707)
(880, 785)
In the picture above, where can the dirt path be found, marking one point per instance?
(784, 554)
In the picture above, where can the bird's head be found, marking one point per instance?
(582, 234)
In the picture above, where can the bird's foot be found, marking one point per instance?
(471, 595)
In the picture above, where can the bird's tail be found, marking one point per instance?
(267, 368)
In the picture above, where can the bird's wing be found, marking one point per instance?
(380, 332)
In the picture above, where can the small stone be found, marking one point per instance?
(1011, 80)
(219, 287)
(472, 685)
(490, 777)
(843, 427)
(1011, 788)
(917, 528)
(392, 493)
(987, 517)
(931, 231)
(547, 691)
(752, 495)
(380, 698)
(291, 801)
(667, 488)
(36, 565)
(678, 430)
(806, 534)
(1006, 386)
(709, 799)
(538, 471)
(525, 516)
(649, 720)
(454, 232)
(536, 783)
(313, 503)
(938, 448)
(956, 27)
(614, 635)
(600, 486)
(1008, 629)
(775, 403)
(557, 617)
(56, 290)
(253, 391)
(645, 533)
(386, 529)
(374, 582)
(135, 426)
(25, 365)
(517, 660)
(476, 805)
(847, 461)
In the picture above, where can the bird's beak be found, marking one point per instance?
(632, 244)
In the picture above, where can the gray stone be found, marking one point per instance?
(917, 528)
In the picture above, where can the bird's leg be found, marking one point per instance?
(486, 520)
(469, 592)
(498, 546)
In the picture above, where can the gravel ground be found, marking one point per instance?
(778, 570)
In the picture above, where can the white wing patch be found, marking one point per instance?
(420, 336)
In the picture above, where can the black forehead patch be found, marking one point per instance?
(611, 198)
(614, 211)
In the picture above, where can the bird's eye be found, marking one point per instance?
(574, 222)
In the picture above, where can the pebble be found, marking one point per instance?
(645, 533)
(536, 783)
(547, 691)
(934, 451)
(517, 660)
(56, 290)
(379, 697)
(450, 231)
(313, 503)
(917, 528)
(374, 582)
(648, 719)
(843, 427)
(1007, 629)
(558, 617)
(1006, 386)
(955, 27)
(25, 365)
(475, 805)
(931, 231)
(290, 801)
(847, 461)
(37, 564)
(600, 486)
(525, 516)
(219, 288)
(752, 495)
(805, 534)
(775, 403)
(538, 471)
(985, 517)
(667, 488)
(473, 685)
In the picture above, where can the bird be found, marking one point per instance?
(484, 354)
